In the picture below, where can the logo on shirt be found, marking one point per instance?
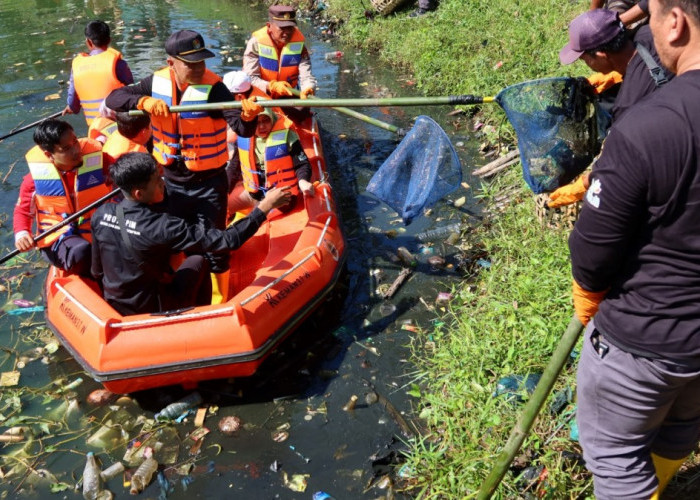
(92, 180)
(593, 192)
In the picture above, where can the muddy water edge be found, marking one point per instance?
(299, 428)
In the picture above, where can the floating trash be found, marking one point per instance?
(406, 257)
(280, 436)
(230, 425)
(371, 398)
(25, 310)
(486, 264)
(436, 261)
(112, 471)
(321, 495)
(443, 298)
(387, 309)
(350, 405)
(23, 303)
(298, 482)
(9, 379)
(177, 408)
(143, 475)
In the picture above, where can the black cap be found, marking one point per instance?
(282, 15)
(187, 45)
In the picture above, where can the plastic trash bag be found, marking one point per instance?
(422, 169)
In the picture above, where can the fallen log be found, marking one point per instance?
(497, 165)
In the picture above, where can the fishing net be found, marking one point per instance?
(560, 128)
(423, 168)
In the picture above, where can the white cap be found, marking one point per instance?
(237, 81)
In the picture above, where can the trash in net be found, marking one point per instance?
(560, 128)
(422, 169)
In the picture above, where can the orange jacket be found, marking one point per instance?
(283, 65)
(279, 167)
(118, 145)
(54, 200)
(101, 128)
(94, 78)
(195, 137)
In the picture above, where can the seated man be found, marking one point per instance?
(131, 136)
(273, 157)
(277, 60)
(239, 84)
(65, 175)
(132, 243)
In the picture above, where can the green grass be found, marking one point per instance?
(508, 321)
(455, 49)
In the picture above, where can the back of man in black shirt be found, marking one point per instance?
(133, 243)
(635, 250)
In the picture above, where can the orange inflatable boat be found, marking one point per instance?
(277, 278)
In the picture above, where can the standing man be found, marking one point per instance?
(65, 175)
(635, 252)
(94, 75)
(191, 146)
(277, 59)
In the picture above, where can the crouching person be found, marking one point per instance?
(133, 243)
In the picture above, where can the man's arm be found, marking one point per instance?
(306, 79)
(220, 93)
(123, 72)
(72, 100)
(23, 215)
(126, 98)
(251, 64)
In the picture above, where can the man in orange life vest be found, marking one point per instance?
(190, 146)
(65, 175)
(95, 75)
(274, 157)
(277, 59)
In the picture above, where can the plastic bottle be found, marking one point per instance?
(333, 55)
(91, 478)
(143, 475)
(177, 408)
(112, 471)
(439, 232)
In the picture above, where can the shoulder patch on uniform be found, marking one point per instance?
(592, 195)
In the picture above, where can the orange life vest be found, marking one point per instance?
(279, 167)
(52, 197)
(118, 145)
(94, 77)
(282, 65)
(195, 137)
(101, 128)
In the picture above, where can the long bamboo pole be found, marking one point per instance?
(332, 103)
(30, 125)
(531, 410)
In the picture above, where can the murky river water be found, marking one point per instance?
(294, 427)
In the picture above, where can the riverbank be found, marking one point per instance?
(508, 320)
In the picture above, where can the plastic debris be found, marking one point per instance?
(23, 303)
(298, 482)
(436, 261)
(439, 232)
(486, 264)
(406, 257)
(333, 56)
(443, 298)
(25, 310)
(371, 398)
(143, 475)
(112, 471)
(177, 408)
(350, 405)
(199, 417)
(91, 478)
(513, 385)
(387, 309)
(99, 397)
(9, 379)
(321, 495)
(298, 453)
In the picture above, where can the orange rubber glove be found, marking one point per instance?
(250, 109)
(586, 303)
(279, 89)
(309, 91)
(603, 81)
(571, 193)
(153, 106)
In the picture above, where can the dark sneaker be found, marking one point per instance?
(418, 12)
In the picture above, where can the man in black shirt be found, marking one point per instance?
(190, 146)
(133, 243)
(635, 252)
(599, 39)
